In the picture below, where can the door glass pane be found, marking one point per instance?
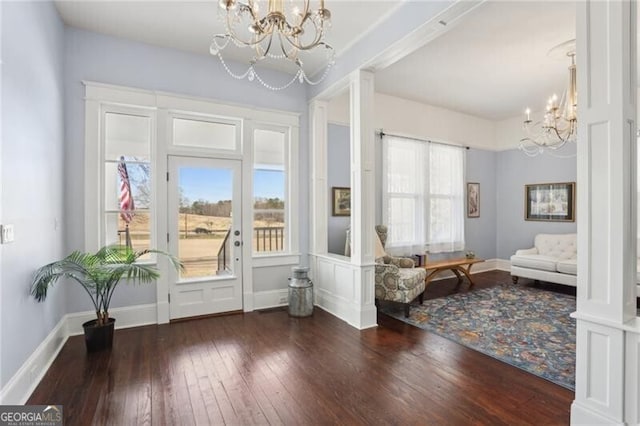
(204, 134)
(205, 245)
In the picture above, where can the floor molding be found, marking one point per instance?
(127, 317)
(270, 299)
(337, 306)
(25, 380)
(18, 390)
(503, 265)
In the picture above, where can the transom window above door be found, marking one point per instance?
(209, 133)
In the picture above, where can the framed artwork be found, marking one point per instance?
(473, 199)
(550, 202)
(341, 201)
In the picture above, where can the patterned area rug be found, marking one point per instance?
(525, 327)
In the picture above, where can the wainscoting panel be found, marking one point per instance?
(597, 361)
(344, 281)
(337, 289)
(632, 369)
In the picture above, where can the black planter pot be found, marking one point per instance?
(98, 337)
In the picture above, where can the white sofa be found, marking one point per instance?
(553, 259)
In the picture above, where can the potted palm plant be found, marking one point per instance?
(99, 275)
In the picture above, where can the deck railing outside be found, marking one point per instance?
(224, 253)
(266, 239)
(269, 238)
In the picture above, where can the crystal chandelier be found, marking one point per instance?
(278, 34)
(559, 124)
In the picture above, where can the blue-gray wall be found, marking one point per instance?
(480, 233)
(514, 171)
(32, 174)
(338, 174)
(96, 57)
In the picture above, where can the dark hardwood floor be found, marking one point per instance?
(268, 368)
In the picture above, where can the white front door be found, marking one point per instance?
(205, 233)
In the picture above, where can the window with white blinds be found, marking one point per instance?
(423, 196)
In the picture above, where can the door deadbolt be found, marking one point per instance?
(236, 233)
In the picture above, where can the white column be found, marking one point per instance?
(319, 199)
(362, 92)
(607, 327)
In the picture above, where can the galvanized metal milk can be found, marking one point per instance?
(300, 293)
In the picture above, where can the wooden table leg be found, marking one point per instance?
(431, 275)
(466, 273)
(456, 270)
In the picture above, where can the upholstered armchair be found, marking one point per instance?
(397, 280)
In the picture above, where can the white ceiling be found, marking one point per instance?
(492, 64)
(191, 25)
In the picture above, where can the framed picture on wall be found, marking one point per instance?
(554, 202)
(473, 199)
(341, 201)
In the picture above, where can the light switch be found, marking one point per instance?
(6, 234)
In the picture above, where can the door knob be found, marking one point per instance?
(237, 244)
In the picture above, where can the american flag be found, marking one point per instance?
(126, 197)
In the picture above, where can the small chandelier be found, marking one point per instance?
(278, 34)
(560, 122)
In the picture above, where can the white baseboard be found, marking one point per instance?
(247, 302)
(18, 390)
(271, 299)
(346, 310)
(583, 415)
(25, 380)
(130, 316)
(503, 265)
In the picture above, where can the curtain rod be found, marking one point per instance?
(382, 133)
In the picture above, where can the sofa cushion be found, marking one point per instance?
(535, 261)
(569, 266)
(559, 246)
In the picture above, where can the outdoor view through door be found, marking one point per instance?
(205, 234)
